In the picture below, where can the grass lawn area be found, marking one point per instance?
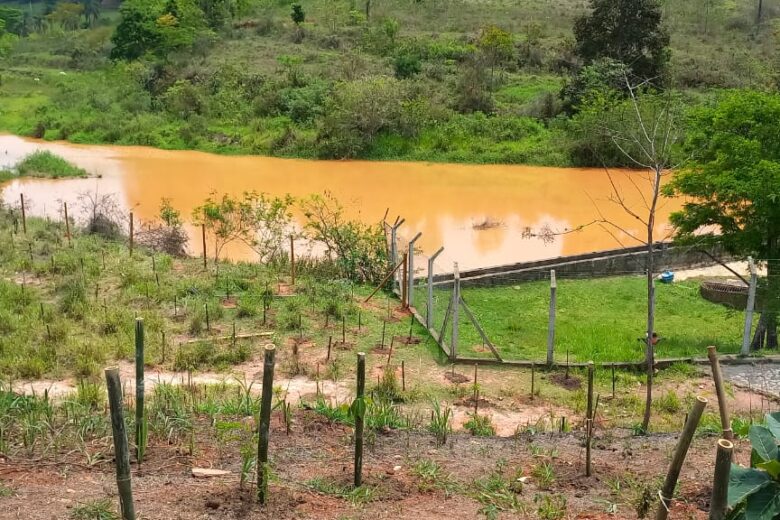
(597, 319)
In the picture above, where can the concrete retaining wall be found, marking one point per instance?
(591, 265)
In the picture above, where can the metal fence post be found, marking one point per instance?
(429, 305)
(751, 303)
(410, 291)
(455, 312)
(551, 320)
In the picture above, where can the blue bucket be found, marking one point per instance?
(667, 277)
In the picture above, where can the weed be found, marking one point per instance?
(94, 510)
(668, 402)
(550, 507)
(440, 424)
(480, 425)
(356, 496)
(544, 474)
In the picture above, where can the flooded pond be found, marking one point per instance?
(477, 212)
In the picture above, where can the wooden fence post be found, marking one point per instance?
(24, 213)
(720, 483)
(265, 423)
(360, 411)
(292, 260)
(589, 422)
(140, 420)
(410, 289)
(121, 451)
(131, 233)
(67, 222)
(667, 493)
(751, 304)
(551, 318)
(717, 377)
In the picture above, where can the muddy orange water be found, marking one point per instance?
(446, 202)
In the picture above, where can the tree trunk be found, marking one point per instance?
(649, 347)
(772, 296)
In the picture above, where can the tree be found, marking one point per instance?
(136, 33)
(732, 188)
(472, 89)
(12, 20)
(645, 128)
(91, 11)
(628, 31)
(66, 15)
(259, 221)
(496, 46)
(298, 15)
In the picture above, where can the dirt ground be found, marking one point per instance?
(625, 469)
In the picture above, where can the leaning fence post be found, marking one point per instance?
(140, 424)
(720, 483)
(551, 320)
(410, 297)
(358, 412)
(751, 303)
(67, 222)
(24, 213)
(667, 493)
(717, 377)
(429, 306)
(121, 451)
(455, 313)
(265, 423)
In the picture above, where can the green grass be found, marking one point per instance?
(598, 319)
(45, 164)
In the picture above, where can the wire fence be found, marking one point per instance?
(524, 316)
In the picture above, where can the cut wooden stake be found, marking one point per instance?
(717, 377)
(667, 493)
(121, 451)
(403, 376)
(131, 239)
(203, 239)
(265, 423)
(589, 422)
(720, 483)
(292, 260)
(360, 410)
(330, 343)
(140, 420)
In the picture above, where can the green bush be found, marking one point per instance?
(47, 164)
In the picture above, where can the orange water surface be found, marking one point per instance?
(446, 202)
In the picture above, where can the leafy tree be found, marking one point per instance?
(66, 15)
(216, 12)
(407, 63)
(628, 31)
(12, 20)
(136, 33)
(602, 76)
(732, 187)
(497, 47)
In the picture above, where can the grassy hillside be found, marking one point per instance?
(393, 85)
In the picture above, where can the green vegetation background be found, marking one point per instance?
(400, 83)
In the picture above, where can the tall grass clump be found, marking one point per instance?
(46, 164)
